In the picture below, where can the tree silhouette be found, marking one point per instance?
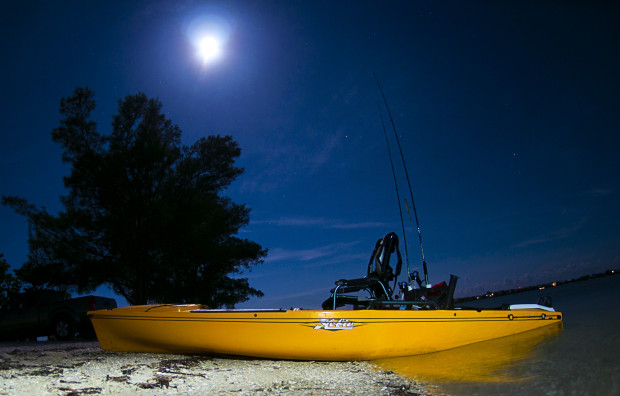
(9, 284)
(144, 213)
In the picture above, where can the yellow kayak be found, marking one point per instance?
(309, 334)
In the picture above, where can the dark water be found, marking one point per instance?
(582, 357)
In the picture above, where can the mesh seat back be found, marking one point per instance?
(379, 264)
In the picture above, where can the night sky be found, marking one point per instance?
(508, 115)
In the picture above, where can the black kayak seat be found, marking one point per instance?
(375, 283)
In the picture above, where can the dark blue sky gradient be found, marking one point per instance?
(507, 113)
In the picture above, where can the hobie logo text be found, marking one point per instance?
(334, 324)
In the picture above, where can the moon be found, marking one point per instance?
(208, 30)
(209, 49)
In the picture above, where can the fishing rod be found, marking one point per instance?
(400, 209)
(408, 180)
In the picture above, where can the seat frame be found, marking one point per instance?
(376, 284)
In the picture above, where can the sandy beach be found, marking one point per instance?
(83, 368)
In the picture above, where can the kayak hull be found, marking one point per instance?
(331, 335)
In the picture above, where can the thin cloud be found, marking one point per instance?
(288, 297)
(322, 156)
(279, 254)
(282, 160)
(342, 258)
(598, 192)
(364, 224)
(321, 222)
(562, 233)
(294, 222)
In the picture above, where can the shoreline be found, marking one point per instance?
(83, 368)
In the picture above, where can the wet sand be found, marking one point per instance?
(83, 368)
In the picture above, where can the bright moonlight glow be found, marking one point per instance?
(209, 49)
(208, 29)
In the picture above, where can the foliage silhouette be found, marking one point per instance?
(144, 213)
(9, 284)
